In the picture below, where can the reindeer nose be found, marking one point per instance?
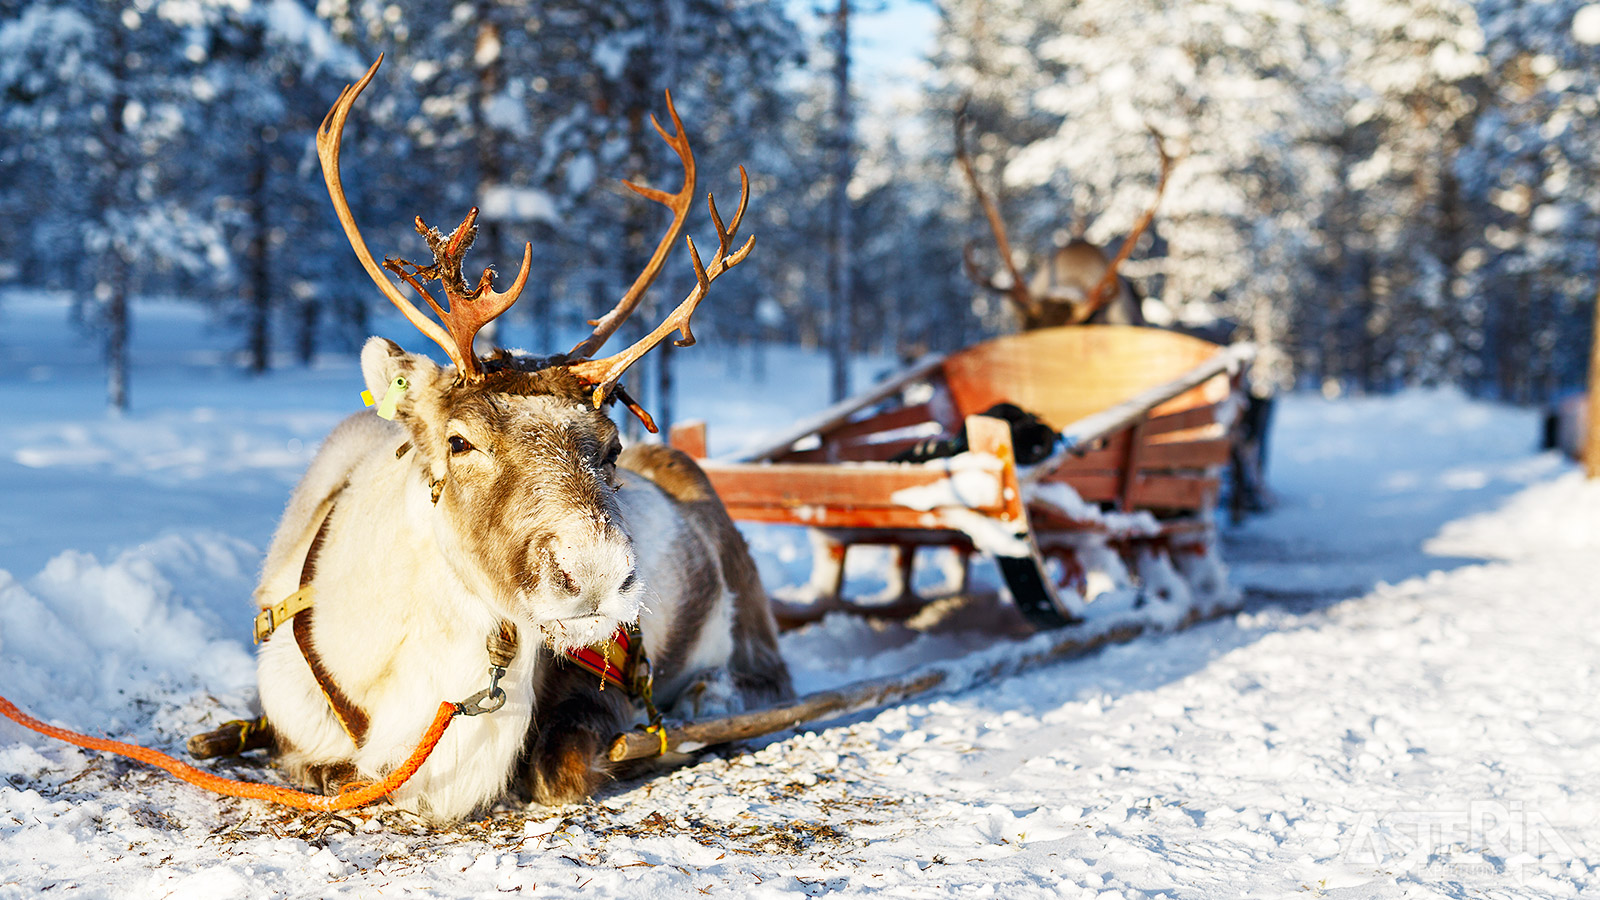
(563, 579)
(592, 569)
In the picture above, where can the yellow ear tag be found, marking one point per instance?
(391, 398)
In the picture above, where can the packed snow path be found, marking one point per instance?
(1405, 708)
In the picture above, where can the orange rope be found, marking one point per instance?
(353, 795)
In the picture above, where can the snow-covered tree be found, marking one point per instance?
(1381, 192)
(1531, 170)
(96, 103)
(1412, 73)
(264, 75)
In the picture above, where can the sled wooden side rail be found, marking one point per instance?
(835, 416)
(1145, 418)
(878, 494)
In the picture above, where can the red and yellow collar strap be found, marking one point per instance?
(622, 661)
(617, 660)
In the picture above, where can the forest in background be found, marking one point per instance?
(1380, 193)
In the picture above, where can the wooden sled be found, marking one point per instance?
(1122, 507)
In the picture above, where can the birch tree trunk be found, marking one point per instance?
(1591, 438)
(838, 336)
(260, 315)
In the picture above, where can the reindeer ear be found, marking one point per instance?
(382, 361)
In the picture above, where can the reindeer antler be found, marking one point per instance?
(469, 309)
(1102, 292)
(603, 374)
(1018, 292)
(607, 324)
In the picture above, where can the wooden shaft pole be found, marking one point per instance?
(689, 737)
(1591, 438)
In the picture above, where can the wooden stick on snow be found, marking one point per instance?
(688, 737)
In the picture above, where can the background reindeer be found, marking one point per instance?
(1079, 284)
(498, 503)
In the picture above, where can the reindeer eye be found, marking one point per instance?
(459, 444)
(612, 454)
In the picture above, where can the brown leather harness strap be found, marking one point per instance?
(273, 617)
(352, 718)
(308, 569)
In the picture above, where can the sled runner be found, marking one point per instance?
(1122, 501)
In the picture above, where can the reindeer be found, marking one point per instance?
(498, 503)
(1079, 285)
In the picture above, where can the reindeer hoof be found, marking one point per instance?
(568, 769)
(330, 778)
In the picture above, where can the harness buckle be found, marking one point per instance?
(268, 620)
(264, 625)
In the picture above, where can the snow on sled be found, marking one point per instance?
(1120, 505)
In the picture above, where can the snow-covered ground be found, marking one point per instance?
(1404, 709)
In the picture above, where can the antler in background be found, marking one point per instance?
(1018, 291)
(1104, 289)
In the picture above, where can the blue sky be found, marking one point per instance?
(889, 43)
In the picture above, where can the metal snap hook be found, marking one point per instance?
(487, 700)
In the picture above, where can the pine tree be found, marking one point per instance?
(266, 75)
(1531, 172)
(101, 97)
